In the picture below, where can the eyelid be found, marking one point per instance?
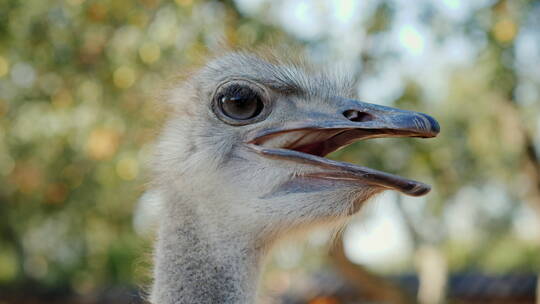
(239, 90)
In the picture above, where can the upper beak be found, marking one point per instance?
(358, 120)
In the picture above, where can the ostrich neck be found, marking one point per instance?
(197, 262)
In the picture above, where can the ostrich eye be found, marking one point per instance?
(240, 102)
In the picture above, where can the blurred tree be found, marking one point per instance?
(77, 83)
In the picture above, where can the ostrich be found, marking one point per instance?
(240, 163)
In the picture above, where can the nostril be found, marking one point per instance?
(357, 116)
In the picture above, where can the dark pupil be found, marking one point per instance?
(241, 104)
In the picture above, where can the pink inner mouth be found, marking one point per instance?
(310, 146)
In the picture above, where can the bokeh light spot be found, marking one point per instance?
(74, 2)
(83, 283)
(36, 266)
(74, 174)
(102, 143)
(91, 91)
(150, 3)
(149, 53)
(4, 66)
(23, 75)
(324, 300)
(62, 99)
(56, 193)
(27, 177)
(50, 83)
(127, 168)
(8, 265)
(140, 20)
(183, 2)
(124, 77)
(452, 3)
(97, 12)
(344, 10)
(411, 39)
(505, 30)
(4, 107)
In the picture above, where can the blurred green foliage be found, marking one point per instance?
(77, 86)
(77, 116)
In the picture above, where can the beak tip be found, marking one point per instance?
(435, 128)
(419, 190)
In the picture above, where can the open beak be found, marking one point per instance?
(309, 140)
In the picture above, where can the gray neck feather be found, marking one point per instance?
(197, 262)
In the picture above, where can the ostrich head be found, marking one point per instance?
(247, 140)
(241, 162)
